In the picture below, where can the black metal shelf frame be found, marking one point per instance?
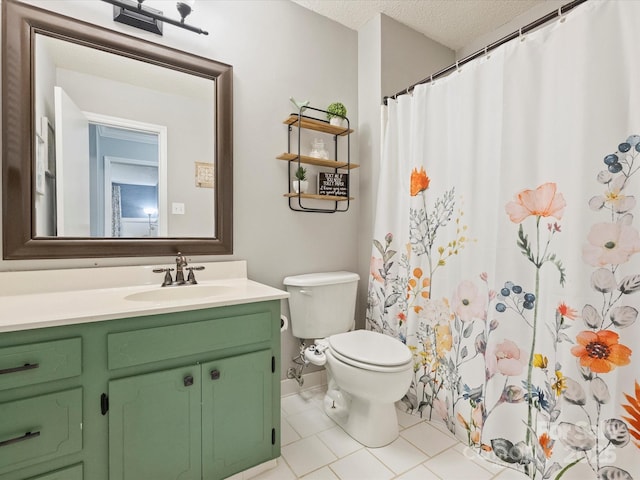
(300, 207)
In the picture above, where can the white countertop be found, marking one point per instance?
(64, 297)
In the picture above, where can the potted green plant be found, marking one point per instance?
(301, 184)
(336, 112)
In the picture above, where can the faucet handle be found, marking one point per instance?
(191, 278)
(167, 277)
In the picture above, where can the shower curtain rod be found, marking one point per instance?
(492, 46)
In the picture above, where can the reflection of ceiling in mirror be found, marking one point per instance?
(83, 59)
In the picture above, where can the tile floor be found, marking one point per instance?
(315, 448)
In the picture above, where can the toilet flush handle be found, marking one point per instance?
(305, 292)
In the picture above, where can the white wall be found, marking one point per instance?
(527, 17)
(408, 56)
(369, 101)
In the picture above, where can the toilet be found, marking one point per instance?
(367, 372)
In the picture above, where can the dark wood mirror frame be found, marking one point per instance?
(20, 23)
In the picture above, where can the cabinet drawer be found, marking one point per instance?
(71, 473)
(40, 362)
(126, 349)
(38, 429)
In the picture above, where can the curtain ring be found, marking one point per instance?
(560, 15)
(431, 79)
(457, 66)
(521, 35)
(486, 52)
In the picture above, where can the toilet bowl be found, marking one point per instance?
(367, 372)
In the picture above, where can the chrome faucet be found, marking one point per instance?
(181, 262)
(181, 266)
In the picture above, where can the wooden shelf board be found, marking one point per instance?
(319, 197)
(318, 125)
(316, 161)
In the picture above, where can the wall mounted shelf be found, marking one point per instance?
(332, 198)
(295, 159)
(316, 161)
(317, 125)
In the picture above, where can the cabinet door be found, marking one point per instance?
(237, 410)
(154, 426)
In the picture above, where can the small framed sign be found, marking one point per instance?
(205, 175)
(335, 184)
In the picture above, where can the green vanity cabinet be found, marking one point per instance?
(175, 396)
(168, 424)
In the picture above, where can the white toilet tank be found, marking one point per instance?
(322, 304)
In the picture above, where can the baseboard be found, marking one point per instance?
(311, 380)
(255, 471)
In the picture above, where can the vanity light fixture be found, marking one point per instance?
(131, 12)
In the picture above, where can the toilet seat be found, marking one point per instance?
(370, 351)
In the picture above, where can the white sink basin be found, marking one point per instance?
(177, 293)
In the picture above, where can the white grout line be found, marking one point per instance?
(315, 380)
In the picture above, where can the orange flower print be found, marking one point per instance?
(600, 351)
(567, 312)
(633, 409)
(544, 201)
(546, 443)
(462, 421)
(419, 181)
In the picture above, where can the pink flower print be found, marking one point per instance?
(544, 201)
(504, 358)
(610, 244)
(468, 302)
(376, 265)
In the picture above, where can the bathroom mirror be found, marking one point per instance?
(112, 145)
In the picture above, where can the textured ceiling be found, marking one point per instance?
(453, 23)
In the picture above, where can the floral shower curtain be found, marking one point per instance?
(505, 247)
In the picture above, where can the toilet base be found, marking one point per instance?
(371, 424)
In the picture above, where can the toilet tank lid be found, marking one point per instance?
(317, 279)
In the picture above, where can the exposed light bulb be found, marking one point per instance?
(184, 8)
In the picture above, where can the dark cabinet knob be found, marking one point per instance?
(188, 381)
(215, 374)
